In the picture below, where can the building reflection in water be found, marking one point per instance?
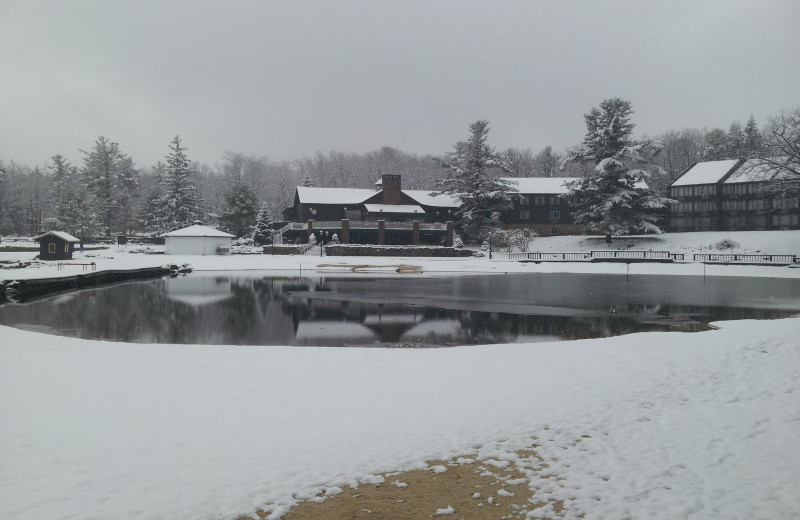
(254, 309)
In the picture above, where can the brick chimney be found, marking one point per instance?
(391, 189)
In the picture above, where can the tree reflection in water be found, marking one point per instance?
(398, 311)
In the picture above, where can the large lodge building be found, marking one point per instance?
(729, 196)
(389, 214)
(710, 196)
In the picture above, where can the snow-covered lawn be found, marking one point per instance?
(775, 242)
(657, 425)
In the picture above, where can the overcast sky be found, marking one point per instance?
(285, 79)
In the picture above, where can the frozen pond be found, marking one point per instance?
(259, 308)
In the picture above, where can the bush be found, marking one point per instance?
(725, 244)
(511, 239)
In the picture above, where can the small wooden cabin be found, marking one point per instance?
(56, 245)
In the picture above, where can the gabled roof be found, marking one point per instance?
(198, 231)
(754, 170)
(394, 208)
(309, 195)
(709, 172)
(541, 185)
(66, 237)
(427, 199)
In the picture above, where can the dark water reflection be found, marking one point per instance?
(400, 311)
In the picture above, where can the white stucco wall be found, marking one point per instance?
(195, 245)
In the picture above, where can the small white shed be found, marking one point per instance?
(197, 240)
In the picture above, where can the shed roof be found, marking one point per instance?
(66, 237)
(198, 231)
(709, 172)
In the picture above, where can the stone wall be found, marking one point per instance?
(283, 250)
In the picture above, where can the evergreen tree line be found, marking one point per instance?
(108, 193)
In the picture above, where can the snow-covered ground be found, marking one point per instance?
(656, 425)
(774, 242)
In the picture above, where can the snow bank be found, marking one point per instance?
(658, 425)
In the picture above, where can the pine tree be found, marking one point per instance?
(470, 179)
(608, 131)
(74, 210)
(715, 145)
(180, 205)
(306, 180)
(262, 235)
(150, 209)
(239, 209)
(753, 141)
(735, 142)
(111, 177)
(616, 201)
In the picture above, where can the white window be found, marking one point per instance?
(555, 215)
(524, 214)
(51, 248)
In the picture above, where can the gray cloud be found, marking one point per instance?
(284, 79)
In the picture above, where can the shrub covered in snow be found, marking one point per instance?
(510, 239)
(725, 244)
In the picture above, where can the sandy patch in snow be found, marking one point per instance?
(470, 488)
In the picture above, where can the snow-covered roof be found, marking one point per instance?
(541, 185)
(754, 170)
(198, 231)
(709, 172)
(394, 208)
(66, 237)
(427, 199)
(310, 195)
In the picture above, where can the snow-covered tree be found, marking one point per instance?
(180, 205)
(779, 156)
(111, 177)
(262, 234)
(616, 200)
(74, 210)
(239, 209)
(306, 181)
(608, 131)
(482, 195)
